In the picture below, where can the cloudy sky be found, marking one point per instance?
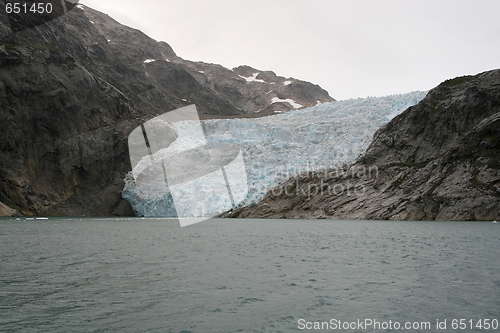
(352, 48)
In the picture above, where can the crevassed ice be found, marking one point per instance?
(282, 145)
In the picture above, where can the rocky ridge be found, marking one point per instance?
(438, 160)
(260, 93)
(72, 90)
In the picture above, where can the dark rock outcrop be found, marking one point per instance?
(438, 160)
(72, 90)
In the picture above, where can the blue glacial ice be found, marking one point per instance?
(280, 146)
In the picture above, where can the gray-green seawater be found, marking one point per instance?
(150, 275)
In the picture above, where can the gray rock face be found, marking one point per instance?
(438, 160)
(6, 210)
(72, 90)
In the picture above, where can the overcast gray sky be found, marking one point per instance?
(352, 48)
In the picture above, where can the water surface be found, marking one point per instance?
(150, 275)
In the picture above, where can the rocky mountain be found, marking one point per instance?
(73, 89)
(438, 160)
(259, 93)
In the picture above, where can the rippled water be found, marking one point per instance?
(134, 275)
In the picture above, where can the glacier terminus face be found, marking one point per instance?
(271, 150)
(172, 159)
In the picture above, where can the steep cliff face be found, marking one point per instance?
(72, 90)
(438, 160)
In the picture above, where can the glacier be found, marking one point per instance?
(280, 146)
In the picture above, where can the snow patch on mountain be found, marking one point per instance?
(252, 78)
(294, 104)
